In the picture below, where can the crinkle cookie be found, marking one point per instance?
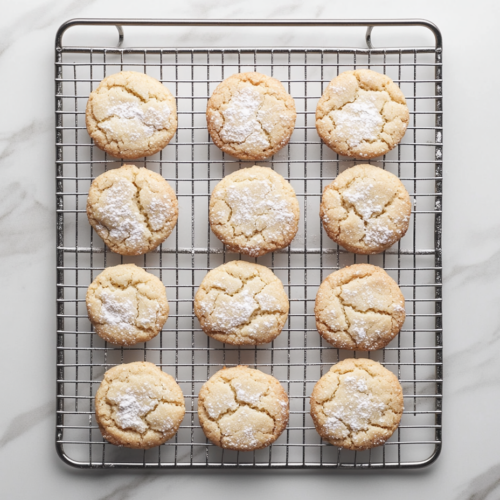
(241, 303)
(251, 116)
(357, 405)
(365, 209)
(132, 209)
(138, 405)
(127, 305)
(362, 114)
(254, 211)
(242, 409)
(131, 115)
(359, 307)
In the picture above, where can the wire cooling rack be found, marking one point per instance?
(193, 166)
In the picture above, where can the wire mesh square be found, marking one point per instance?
(193, 165)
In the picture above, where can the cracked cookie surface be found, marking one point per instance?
(362, 114)
(127, 305)
(242, 409)
(132, 209)
(254, 211)
(365, 209)
(241, 303)
(357, 405)
(251, 116)
(131, 115)
(138, 405)
(359, 307)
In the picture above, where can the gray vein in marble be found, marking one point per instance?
(481, 360)
(485, 269)
(22, 423)
(39, 18)
(126, 490)
(481, 487)
(319, 11)
(277, 12)
(13, 140)
(222, 9)
(25, 224)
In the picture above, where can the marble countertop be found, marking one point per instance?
(469, 465)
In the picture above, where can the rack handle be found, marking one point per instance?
(368, 37)
(369, 24)
(119, 27)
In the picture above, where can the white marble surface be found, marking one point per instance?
(469, 466)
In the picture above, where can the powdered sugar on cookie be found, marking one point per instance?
(378, 234)
(360, 120)
(118, 310)
(138, 405)
(241, 303)
(241, 122)
(353, 408)
(134, 121)
(133, 210)
(131, 115)
(120, 217)
(250, 116)
(233, 312)
(132, 403)
(362, 114)
(359, 307)
(158, 210)
(254, 211)
(257, 207)
(127, 305)
(357, 405)
(242, 409)
(365, 209)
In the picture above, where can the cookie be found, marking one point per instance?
(242, 409)
(362, 114)
(251, 116)
(132, 209)
(357, 405)
(365, 209)
(254, 211)
(241, 303)
(359, 307)
(131, 115)
(138, 406)
(127, 305)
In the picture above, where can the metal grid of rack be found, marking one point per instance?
(193, 165)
